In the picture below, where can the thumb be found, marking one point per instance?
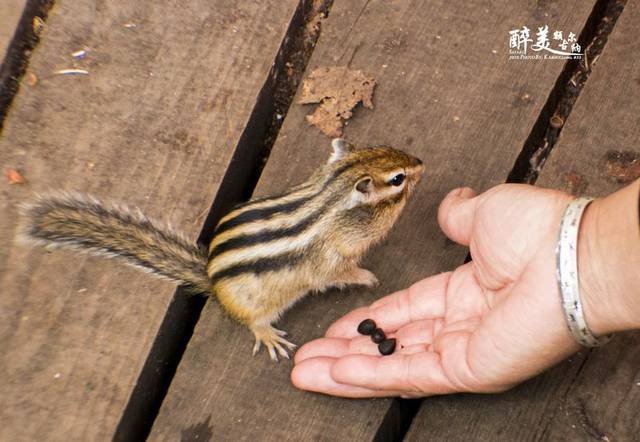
(456, 214)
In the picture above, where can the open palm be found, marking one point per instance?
(484, 327)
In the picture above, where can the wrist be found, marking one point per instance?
(609, 262)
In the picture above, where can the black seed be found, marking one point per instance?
(367, 327)
(378, 336)
(387, 346)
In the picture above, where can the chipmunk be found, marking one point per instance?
(265, 254)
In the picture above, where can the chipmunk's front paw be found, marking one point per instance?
(356, 276)
(274, 340)
(367, 278)
(362, 277)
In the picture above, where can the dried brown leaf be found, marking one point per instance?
(338, 90)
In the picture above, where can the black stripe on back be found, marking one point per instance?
(265, 212)
(265, 235)
(262, 213)
(259, 266)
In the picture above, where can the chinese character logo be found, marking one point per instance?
(554, 46)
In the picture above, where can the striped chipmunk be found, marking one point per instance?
(265, 254)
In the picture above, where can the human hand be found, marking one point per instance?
(486, 326)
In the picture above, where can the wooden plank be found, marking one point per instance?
(155, 124)
(10, 12)
(595, 394)
(442, 94)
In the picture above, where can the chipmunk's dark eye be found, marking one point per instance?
(397, 180)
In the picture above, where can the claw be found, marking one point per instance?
(274, 341)
(289, 345)
(256, 347)
(281, 350)
(272, 353)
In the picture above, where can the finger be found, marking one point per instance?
(465, 297)
(315, 375)
(456, 213)
(417, 373)
(336, 348)
(423, 300)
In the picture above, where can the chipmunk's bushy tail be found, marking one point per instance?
(83, 223)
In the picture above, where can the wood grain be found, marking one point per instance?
(594, 394)
(443, 95)
(10, 12)
(154, 124)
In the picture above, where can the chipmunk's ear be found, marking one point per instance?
(341, 147)
(364, 185)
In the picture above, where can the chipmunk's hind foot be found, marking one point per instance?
(274, 340)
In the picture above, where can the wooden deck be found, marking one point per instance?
(176, 114)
